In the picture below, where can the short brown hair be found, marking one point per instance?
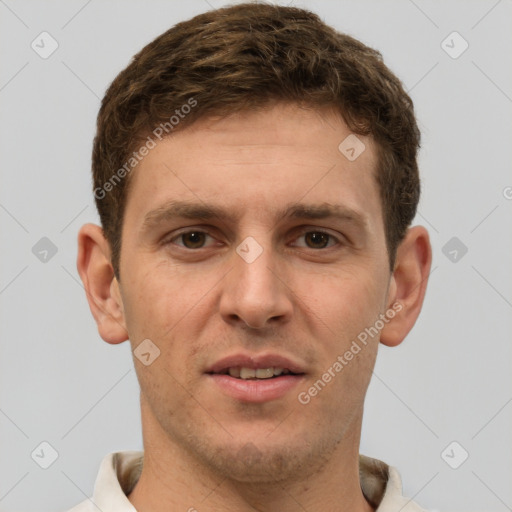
(245, 57)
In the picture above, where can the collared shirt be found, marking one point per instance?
(119, 472)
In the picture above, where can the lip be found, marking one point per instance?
(255, 391)
(255, 361)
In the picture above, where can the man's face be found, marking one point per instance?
(202, 292)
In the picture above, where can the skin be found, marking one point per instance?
(198, 301)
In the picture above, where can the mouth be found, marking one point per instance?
(256, 378)
(246, 373)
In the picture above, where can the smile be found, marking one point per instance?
(256, 378)
(256, 373)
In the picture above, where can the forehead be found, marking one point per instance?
(265, 159)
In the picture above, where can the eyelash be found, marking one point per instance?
(302, 233)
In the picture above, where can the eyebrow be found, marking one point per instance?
(177, 209)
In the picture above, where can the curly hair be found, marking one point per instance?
(244, 57)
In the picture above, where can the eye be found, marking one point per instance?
(318, 239)
(193, 239)
(196, 239)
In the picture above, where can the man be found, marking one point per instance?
(255, 173)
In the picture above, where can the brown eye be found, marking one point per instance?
(193, 239)
(317, 239)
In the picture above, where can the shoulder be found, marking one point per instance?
(382, 486)
(393, 496)
(85, 506)
(117, 475)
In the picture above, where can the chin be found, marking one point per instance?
(253, 464)
(267, 460)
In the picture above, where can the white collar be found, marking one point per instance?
(119, 472)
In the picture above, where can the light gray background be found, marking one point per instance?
(449, 381)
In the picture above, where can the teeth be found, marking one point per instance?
(259, 373)
(264, 373)
(234, 372)
(247, 373)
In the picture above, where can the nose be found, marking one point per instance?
(255, 292)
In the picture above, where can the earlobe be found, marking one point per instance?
(408, 285)
(101, 287)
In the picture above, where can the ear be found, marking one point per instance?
(408, 285)
(101, 286)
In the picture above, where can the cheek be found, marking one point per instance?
(158, 310)
(343, 307)
(344, 303)
(159, 300)
(170, 309)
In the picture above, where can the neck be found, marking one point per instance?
(174, 479)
